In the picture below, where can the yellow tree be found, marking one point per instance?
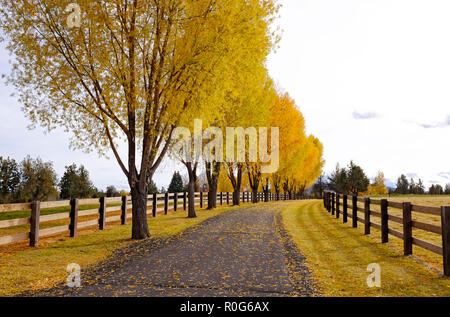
(243, 113)
(378, 187)
(246, 74)
(246, 54)
(305, 167)
(266, 98)
(285, 115)
(119, 70)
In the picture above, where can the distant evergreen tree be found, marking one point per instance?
(412, 187)
(338, 180)
(9, 180)
(319, 186)
(38, 180)
(436, 190)
(350, 180)
(432, 190)
(176, 184)
(111, 191)
(356, 178)
(447, 189)
(420, 187)
(75, 183)
(402, 185)
(152, 189)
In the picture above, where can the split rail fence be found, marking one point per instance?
(99, 217)
(332, 202)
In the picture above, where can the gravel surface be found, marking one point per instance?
(245, 252)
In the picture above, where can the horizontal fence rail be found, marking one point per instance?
(381, 221)
(157, 204)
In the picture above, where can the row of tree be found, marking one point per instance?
(353, 180)
(33, 179)
(134, 71)
(405, 187)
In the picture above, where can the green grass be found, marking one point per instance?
(37, 268)
(338, 256)
(49, 211)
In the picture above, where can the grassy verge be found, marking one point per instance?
(338, 256)
(33, 269)
(432, 259)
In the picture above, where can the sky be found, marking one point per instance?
(371, 77)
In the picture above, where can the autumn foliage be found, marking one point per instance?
(133, 71)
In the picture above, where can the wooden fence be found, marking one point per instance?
(332, 202)
(157, 204)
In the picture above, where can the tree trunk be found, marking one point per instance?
(139, 210)
(237, 197)
(212, 196)
(236, 181)
(212, 173)
(266, 195)
(255, 195)
(191, 199)
(192, 172)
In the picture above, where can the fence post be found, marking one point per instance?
(355, 211)
(34, 227)
(102, 214)
(184, 201)
(345, 211)
(123, 217)
(175, 201)
(155, 204)
(384, 221)
(332, 203)
(327, 195)
(73, 217)
(228, 198)
(367, 216)
(221, 198)
(445, 219)
(338, 197)
(166, 203)
(201, 200)
(407, 229)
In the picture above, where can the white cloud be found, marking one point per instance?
(385, 57)
(365, 115)
(442, 124)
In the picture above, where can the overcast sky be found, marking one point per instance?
(372, 78)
